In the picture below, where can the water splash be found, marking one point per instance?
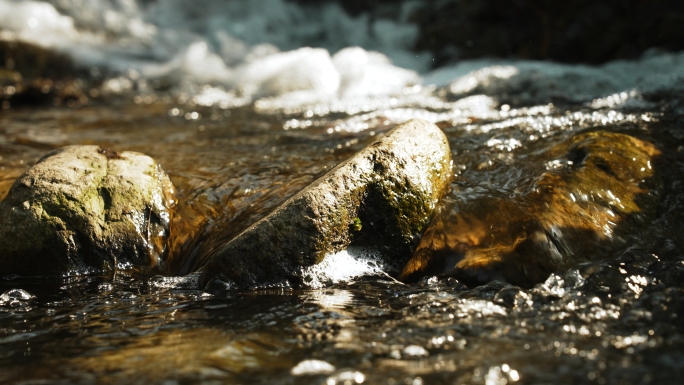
(343, 266)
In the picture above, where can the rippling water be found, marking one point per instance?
(240, 126)
(612, 319)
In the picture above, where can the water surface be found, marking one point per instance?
(611, 319)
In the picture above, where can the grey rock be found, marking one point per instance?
(84, 209)
(381, 198)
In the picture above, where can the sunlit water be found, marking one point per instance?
(271, 123)
(612, 320)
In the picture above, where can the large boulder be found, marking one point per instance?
(85, 209)
(381, 198)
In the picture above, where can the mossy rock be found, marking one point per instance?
(85, 209)
(381, 198)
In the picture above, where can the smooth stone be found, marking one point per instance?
(85, 209)
(582, 207)
(381, 198)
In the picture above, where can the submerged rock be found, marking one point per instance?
(590, 198)
(381, 199)
(85, 208)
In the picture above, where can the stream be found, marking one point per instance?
(612, 319)
(566, 197)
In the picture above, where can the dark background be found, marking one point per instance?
(570, 31)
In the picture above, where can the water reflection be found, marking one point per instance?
(433, 331)
(333, 299)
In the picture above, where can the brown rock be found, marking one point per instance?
(572, 213)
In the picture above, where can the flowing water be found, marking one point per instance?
(240, 127)
(614, 319)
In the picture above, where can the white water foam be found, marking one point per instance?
(343, 266)
(236, 48)
(544, 81)
(235, 44)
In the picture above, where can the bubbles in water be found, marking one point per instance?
(631, 99)
(346, 377)
(214, 96)
(234, 44)
(105, 287)
(36, 22)
(487, 77)
(203, 66)
(611, 85)
(312, 367)
(364, 73)
(415, 351)
(187, 282)
(17, 299)
(554, 285)
(501, 375)
(479, 309)
(15, 295)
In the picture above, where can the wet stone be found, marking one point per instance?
(84, 209)
(593, 193)
(380, 199)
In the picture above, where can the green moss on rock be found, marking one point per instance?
(390, 187)
(78, 210)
